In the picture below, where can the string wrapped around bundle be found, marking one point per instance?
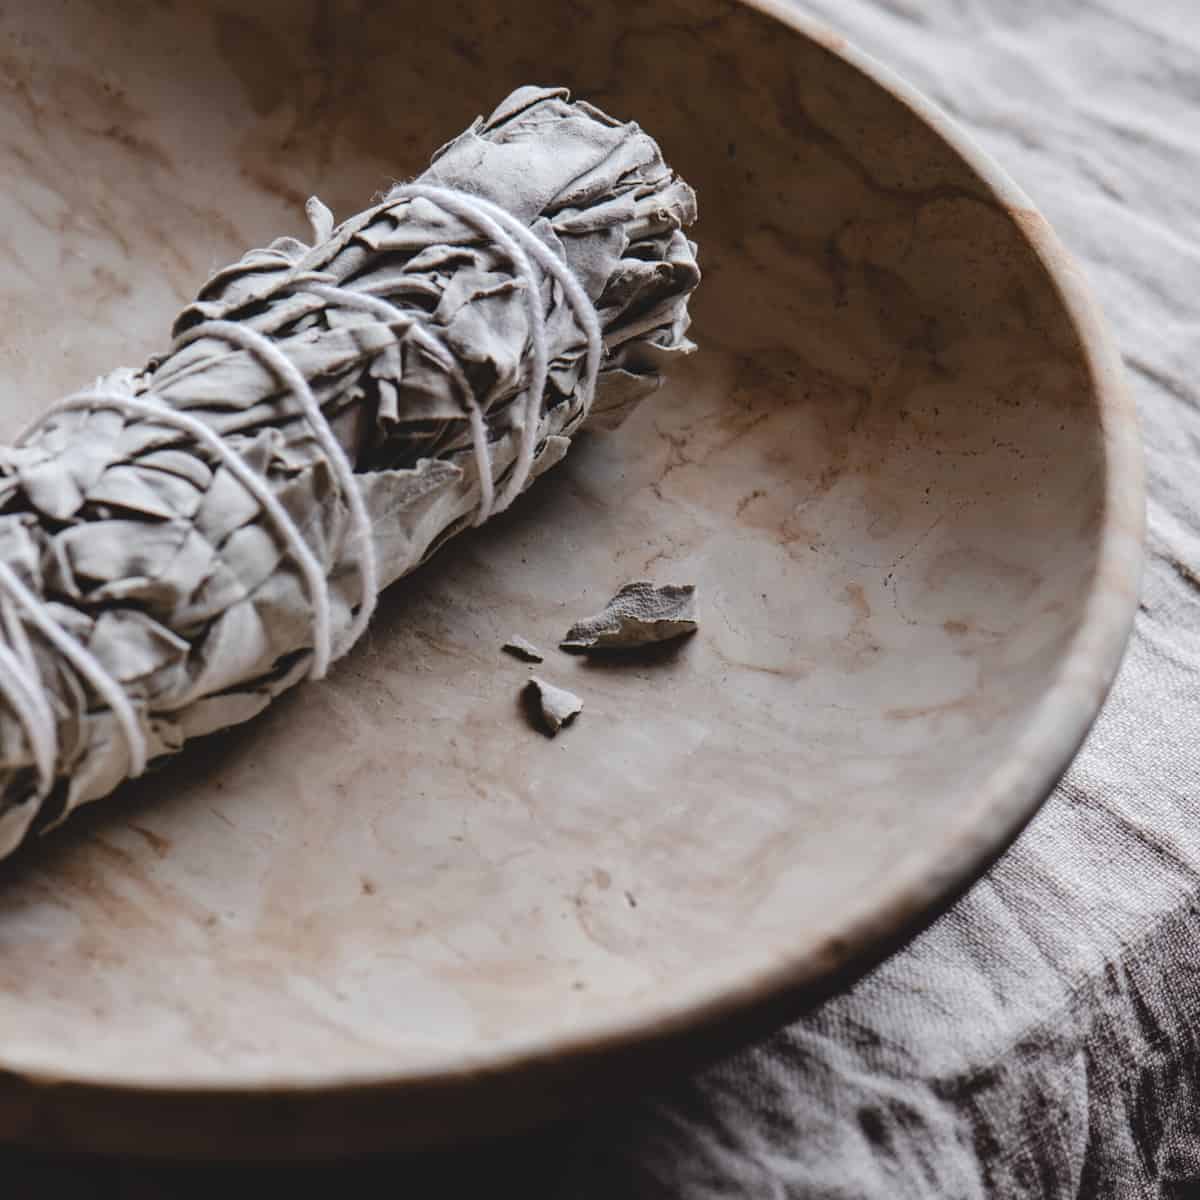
(181, 543)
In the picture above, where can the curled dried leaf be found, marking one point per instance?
(523, 649)
(555, 706)
(640, 614)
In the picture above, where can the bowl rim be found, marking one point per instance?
(1014, 791)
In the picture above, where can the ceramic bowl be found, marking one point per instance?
(902, 471)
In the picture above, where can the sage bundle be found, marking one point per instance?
(182, 542)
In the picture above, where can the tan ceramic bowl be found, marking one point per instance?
(902, 471)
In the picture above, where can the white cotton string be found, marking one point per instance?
(22, 695)
(26, 691)
(287, 373)
(468, 209)
(39, 721)
(42, 727)
(581, 305)
(388, 312)
(255, 484)
(514, 238)
(85, 662)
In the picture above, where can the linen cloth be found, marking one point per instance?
(1042, 1039)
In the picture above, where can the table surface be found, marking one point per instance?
(1039, 1040)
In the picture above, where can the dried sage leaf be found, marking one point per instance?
(556, 706)
(640, 614)
(523, 649)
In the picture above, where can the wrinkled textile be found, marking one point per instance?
(1042, 1039)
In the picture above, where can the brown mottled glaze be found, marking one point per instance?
(902, 472)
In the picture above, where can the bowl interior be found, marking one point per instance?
(885, 470)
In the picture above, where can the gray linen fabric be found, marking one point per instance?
(1043, 1038)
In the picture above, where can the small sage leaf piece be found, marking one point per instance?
(555, 706)
(523, 649)
(640, 614)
